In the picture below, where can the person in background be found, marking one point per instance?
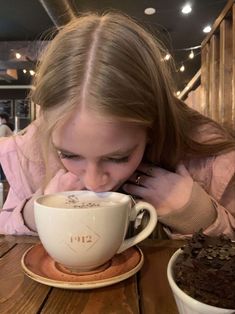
(6, 128)
(109, 121)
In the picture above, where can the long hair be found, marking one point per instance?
(111, 65)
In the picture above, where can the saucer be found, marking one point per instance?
(39, 266)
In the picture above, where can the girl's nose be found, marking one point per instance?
(95, 179)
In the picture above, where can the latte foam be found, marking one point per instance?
(76, 201)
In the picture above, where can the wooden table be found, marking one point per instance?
(146, 292)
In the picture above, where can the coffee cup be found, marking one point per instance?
(82, 230)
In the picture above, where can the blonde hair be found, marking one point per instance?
(110, 64)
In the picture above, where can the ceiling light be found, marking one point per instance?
(207, 29)
(150, 11)
(186, 9)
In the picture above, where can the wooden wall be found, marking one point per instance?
(215, 96)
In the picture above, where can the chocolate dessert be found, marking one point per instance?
(206, 270)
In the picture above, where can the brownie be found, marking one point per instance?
(206, 270)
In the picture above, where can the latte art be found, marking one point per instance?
(78, 201)
(73, 201)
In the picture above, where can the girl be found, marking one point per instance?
(109, 120)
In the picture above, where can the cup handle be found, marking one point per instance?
(143, 234)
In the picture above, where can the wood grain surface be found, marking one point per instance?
(144, 293)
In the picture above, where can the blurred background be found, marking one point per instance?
(186, 29)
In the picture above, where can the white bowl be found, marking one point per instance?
(185, 303)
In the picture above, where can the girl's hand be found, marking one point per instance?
(166, 191)
(63, 181)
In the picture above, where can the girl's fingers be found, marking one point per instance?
(135, 190)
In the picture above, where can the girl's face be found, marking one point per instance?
(102, 153)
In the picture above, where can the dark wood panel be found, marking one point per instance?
(18, 239)
(225, 93)
(218, 69)
(118, 298)
(205, 72)
(233, 65)
(147, 292)
(156, 295)
(18, 293)
(214, 78)
(5, 247)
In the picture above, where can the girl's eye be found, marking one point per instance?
(66, 156)
(119, 160)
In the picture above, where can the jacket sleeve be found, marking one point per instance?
(211, 207)
(225, 207)
(11, 219)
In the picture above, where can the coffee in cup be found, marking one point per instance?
(82, 230)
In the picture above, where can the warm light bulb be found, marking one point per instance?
(18, 55)
(207, 29)
(191, 55)
(31, 72)
(182, 68)
(25, 71)
(150, 11)
(167, 57)
(178, 93)
(186, 9)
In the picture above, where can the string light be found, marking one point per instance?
(182, 68)
(32, 72)
(191, 55)
(24, 71)
(186, 10)
(167, 57)
(189, 48)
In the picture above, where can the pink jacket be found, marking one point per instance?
(215, 176)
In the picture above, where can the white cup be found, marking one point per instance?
(82, 230)
(185, 303)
